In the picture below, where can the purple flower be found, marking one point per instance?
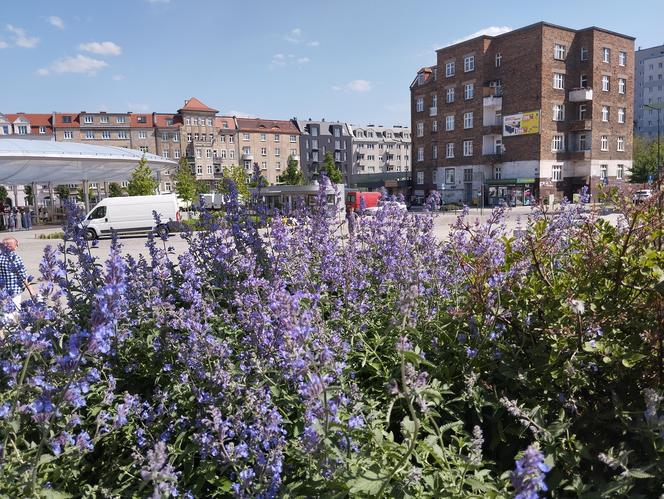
(528, 476)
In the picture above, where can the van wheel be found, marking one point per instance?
(162, 231)
(89, 235)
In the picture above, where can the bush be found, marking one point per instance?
(305, 364)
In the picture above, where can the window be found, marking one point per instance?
(556, 173)
(605, 113)
(120, 119)
(559, 81)
(42, 130)
(603, 171)
(468, 91)
(88, 119)
(337, 131)
(606, 83)
(582, 142)
(68, 135)
(245, 136)
(164, 135)
(620, 170)
(278, 165)
(208, 153)
(231, 139)
(22, 129)
(434, 151)
(176, 154)
(468, 63)
(276, 137)
(420, 178)
(104, 119)
(449, 95)
(584, 53)
(604, 143)
(420, 153)
(622, 60)
(231, 154)
(621, 115)
(263, 165)
(620, 146)
(142, 134)
(314, 131)
(419, 104)
(187, 121)
(468, 120)
(277, 151)
(263, 137)
(199, 153)
(449, 175)
(449, 150)
(66, 119)
(606, 54)
(582, 111)
(559, 51)
(209, 123)
(123, 135)
(449, 123)
(199, 169)
(434, 104)
(559, 112)
(196, 137)
(499, 59)
(583, 81)
(621, 85)
(263, 151)
(467, 147)
(558, 143)
(449, 69)
(105, 134)
(189, 137)
(420, 129)
(165, 154)
(89, 135)
(497, 172)
(292, 139)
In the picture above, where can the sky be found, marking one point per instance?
(342, 60)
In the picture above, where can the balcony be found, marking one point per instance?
(433, 111)
(580, 125)
(495, 129)
(247, 157)
(573, 155)
(493, 157)
(581, 94)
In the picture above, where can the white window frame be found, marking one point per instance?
(606, 83)
(419, 129)
(604, 143)
(620, 171)
(603, 171)
(467, 148)
(620, 144)
(606, 54)
(621, 114)
(559, 52)
(622, 59)
(68, 135)
(449, 95)
(559, 81)
(622, 85)
(449, 123)
(468, 120)
(468, 91)
(469, 63)
(449, 69)
(606, 111)
(559, 112)
(88, 119)
(558, 143)
(584, 53)
(556, 173)
(449, 150)
(419, 176)
(420, 153)
(419, 104)
(498, 59)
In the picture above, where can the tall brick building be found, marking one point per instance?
(538, 111)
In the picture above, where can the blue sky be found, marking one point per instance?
(347, 60)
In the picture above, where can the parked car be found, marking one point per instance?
(641, 196)
(131, 215)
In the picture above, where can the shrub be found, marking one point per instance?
(298, 362)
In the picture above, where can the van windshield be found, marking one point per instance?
(99, 212)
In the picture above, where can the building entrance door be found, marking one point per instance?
(468, 193)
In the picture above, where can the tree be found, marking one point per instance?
(114, 190)
(645, 160)
(3, 194)
(185, 182)
(63, 193)
(239, 176)
(142, 182)
(29, 195)
(331, 170)
(293, 175)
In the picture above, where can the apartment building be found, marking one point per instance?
(198, 131)
(268, 143)
(381, 156)
(321, 137)
(536, 112)
(32, 125)
(649, 91)
(226, 152)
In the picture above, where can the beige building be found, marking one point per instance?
(268, 143)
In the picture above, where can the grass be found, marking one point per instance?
(51, 235)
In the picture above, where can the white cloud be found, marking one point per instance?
(490, 31)
(21, 38)
(240, 114)
(294, 36)
(81, 64)
(118, 77)
(360, 86)
(278, 61)
(3, 44)
(303, 60)
(101, 48)
(57, 22)
(313, 43)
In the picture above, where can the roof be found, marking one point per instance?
(194, 104)
(261, 125)
(161, 120)
(34, 119)
(324, 127)
(133, 120)
(230, 121)
(75, 122)
(23, 161)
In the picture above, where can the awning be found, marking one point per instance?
(23, 161)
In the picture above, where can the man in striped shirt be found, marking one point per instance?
(13, 276)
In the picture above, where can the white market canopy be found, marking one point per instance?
(23, 161)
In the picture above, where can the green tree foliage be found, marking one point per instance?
(29, 195)
(645, 159)
(142, 181)
(3, 193)
(114, 190)
(331, 170)
(62, 192)
(185, 182)
(293, 175)
(239, 176)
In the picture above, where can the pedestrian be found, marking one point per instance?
(5, 217)
(28, 218)
(13, 276)
(351, 218)
(12, 219)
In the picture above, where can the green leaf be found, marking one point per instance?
(369, 483)
(53, 494)
(639, 473)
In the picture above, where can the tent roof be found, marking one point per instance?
(23, 161)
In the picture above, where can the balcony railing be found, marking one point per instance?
(580, 125)
(581, 94)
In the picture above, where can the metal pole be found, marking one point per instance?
(86, 196)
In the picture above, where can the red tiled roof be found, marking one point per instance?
(194, 104)
(133, 120)
(230, 122)
(34, 119)
(273, 126)
(75, 122)
(161, 120)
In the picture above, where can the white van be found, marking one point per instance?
(131, 215)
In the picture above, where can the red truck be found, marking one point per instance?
(355, 198)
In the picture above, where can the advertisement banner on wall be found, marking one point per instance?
(521, 124)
